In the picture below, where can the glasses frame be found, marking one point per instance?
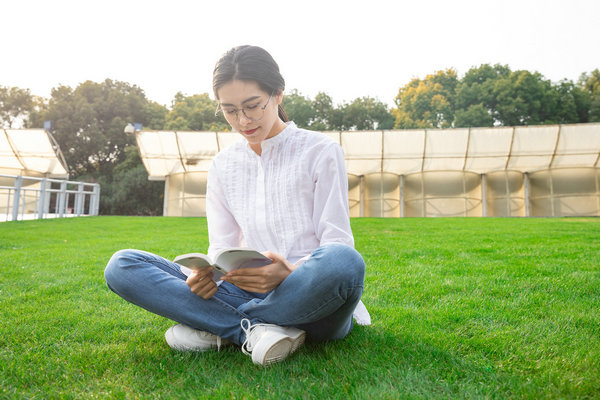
(237, 111)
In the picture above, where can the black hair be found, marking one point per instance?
(250, 63)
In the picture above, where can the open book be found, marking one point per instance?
(225, 260)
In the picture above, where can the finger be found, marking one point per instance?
(210, 293)
(202, 286)
(255, 288)
(199, 275)
(258, 271)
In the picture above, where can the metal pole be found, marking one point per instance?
(484, 195)
(166, 199)
(79, 200)
(42, 200)
(362, 196)
(526, 193)
(62, 196)
(401, 184)
(17, 197)
(96, 198)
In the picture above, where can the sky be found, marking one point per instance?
(347, 48)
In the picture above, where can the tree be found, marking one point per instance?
(324, 112)
(590, 84)
(525, 98)
(88, 122)
(299, 109)
(195, 113)
(427, 103)
(366, 113)
(476, 102)
(155, 115)
(127, 191)
(573, 103)
(15, 106)
(475, 115)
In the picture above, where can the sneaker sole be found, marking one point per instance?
(278, 348)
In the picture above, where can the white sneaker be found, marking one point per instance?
(184, 338)
(270, 343)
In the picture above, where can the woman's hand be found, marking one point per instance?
(261, 279)
(201, 282)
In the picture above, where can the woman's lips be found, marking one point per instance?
(250, 131)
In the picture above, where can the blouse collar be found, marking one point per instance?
(275, 140)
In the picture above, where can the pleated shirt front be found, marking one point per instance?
(289, 200)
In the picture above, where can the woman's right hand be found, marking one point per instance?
(201, 282)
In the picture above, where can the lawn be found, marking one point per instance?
(461, 308)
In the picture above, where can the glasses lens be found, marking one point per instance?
(253, 113)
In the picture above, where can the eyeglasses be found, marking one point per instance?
(252, 112)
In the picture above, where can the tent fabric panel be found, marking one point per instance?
(488, 149)
(197, 145)
(158, 144)
(533, 147)
(362, 151)
(197, 149)
(577, 146)
(159, 152)
(403, 166)
(31, 151)
(408, 144)
(445, 149)
(446, 143)
(226, 139)
(490, 142)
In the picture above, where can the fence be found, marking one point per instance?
(25, 197)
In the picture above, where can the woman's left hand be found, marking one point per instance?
(261, 279)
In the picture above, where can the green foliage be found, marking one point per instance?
(475, 115)
(299, 109)
(495, 96)
(127, 191)
(464, 308)
(525, 98)
(15, 106)
(195, 113)
(88, 122)
(590, 84)
(364, 113)
(476, 100)
(427, 103)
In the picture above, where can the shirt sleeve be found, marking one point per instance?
(223, 230)
(331, 216)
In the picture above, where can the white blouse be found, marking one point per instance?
(290, 200)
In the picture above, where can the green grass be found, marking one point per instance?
(461, 308)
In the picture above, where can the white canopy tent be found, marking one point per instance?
(32, 152)
(33, 177)
(505, 171)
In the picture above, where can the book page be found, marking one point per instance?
(241, 258)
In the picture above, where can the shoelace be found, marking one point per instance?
(210, 336)
(247, 346)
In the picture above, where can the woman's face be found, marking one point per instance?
(237, 95)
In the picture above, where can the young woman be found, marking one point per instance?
(280, 190)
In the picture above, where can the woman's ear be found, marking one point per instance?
(279, 96)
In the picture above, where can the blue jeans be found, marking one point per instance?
(319, 297)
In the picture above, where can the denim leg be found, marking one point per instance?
(319, 297)
(158, 285)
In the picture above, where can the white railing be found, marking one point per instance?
(38, 198)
